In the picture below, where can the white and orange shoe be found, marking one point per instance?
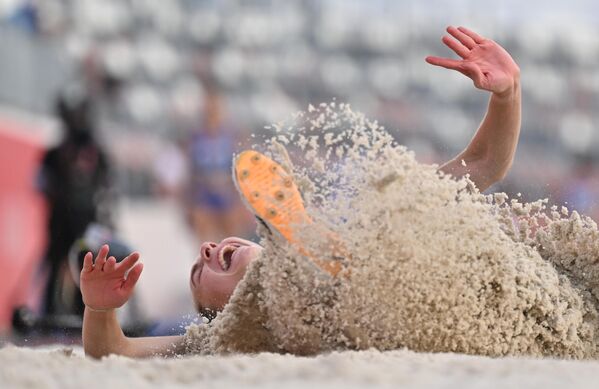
(272, 195)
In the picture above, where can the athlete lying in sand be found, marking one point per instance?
(107, 285)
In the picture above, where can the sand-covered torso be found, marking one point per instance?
(431, 264)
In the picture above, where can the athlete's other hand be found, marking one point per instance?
(104, 285)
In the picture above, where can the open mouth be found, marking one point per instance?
(225, 256)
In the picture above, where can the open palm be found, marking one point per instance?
(489, 66)
(106, 284)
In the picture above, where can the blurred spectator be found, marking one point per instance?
(581, 189)
(213, 205)
(74, 180)
(25, 16)
(170, 171)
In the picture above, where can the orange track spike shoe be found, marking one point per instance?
(272, 195)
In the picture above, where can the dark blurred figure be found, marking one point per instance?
(213, 205)
(74, 179)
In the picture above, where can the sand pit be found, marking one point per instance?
(28, 368)
(434, 270)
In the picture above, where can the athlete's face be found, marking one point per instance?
(218, 270)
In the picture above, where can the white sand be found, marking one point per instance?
(27, 368)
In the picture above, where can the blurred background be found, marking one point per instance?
(112, 112)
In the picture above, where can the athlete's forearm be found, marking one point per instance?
(490, 154)
(102, 336)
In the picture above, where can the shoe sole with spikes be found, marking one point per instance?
(271, 194)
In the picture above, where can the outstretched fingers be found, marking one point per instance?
(110, 264)
(465, 42)
(128, 262)
(464, 67)
(101, 257)
(133, 276)
(88, 264)
(465, 39)
(444, 62)
(456, 46)
(475, 37)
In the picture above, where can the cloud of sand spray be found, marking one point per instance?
(432, 264)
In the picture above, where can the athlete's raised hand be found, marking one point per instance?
(484, 61)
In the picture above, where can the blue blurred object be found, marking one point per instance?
(26, 18)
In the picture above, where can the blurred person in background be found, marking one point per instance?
(74, 179)
(213, 208)
(581, 190)
(25, 16)
(170, 170)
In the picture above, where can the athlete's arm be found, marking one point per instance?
(106, 286)
(490, 153)
(102, 336)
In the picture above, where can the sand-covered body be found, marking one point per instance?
(431, 264)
